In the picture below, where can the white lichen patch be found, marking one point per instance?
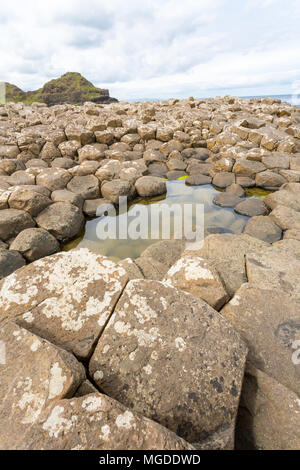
(35, 345)
(142, 310)
(56, 382)
(146, 339)
(191, 268)
(154, 356)
(126, 421)
(148, 369)
(235, 301)
(132, 355)
(28, 317)
(56, 424)
(180, 344)
(30, 403)
(105, 432)
(98, 375)
(92, 404)
(121, 327)
(106, 349)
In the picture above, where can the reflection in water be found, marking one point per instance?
(217, 219)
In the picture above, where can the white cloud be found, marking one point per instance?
(153, 48)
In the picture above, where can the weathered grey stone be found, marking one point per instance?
(236, 189)
(268, 321)
(197, 167)
(248, 168)
(88, 167)
(157, 169)
(269, 417)
(151, 268)
(50, 151)
(289, 244)
(295, 163)
(160, 355)
(9, 151)
(53, 178)
(245, 181)
(290, 175)
(277, 160)
(21, 177)
(251, 207)
(31, 187)
(35, 243)
(275, 269)
(36, 163)
(269, 179)
(175, 164)
(198, 180)
(61, 219)
(166, 251)
(264, 228)
(113, 190)
(174, 175)
(92, 152)
(223, 179)
(4, 196)
(148, 186)
(224, 164)
(36, 374)
(63, 162)
(29, 201)
(63, 195)
(227, 200)
(193, 274)
(13, 221)
(9, 262)
(66, 298)
(291, 187)
(86, 186)
(226, 253)
(283, 198)
(86, 388)
(292, 234)
(286, 217)
(69, 148)
(151, 156)
(11, 165)
(91, 206)
(131, 268)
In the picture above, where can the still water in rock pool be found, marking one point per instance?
(216, 220)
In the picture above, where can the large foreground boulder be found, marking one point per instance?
(62, 220)
(268, 321)
(97, 422)
(66, 298)
(269, 414)
(275, 268)
(34, 374)
(171, 357)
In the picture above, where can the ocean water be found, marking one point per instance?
(292, 99)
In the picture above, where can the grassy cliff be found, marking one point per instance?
(71, 88)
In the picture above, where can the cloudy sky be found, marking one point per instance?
(154, 48)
